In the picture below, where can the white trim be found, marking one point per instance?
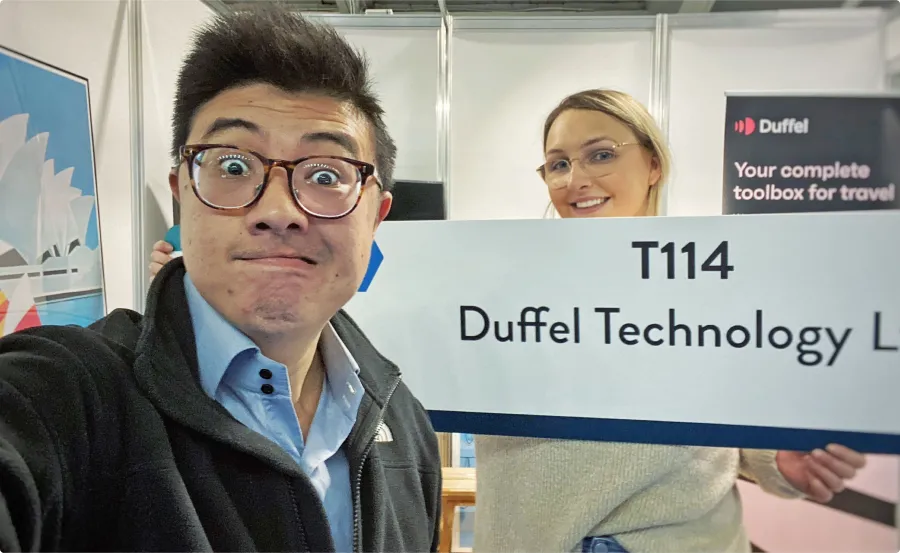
(863, 18)
(561, 22)
(660, 88)
(138, 188)
(377, 21)
(815, 93)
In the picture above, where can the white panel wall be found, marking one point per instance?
(892, 39)
(829, 51)
(504, 84)
(405, 66)
(168, 26)
(801, 52)
(90, 39)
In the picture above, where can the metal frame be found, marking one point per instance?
(660, 88)
(779, 19)
(445, 86)
(217, 6)
(891, 65)
(138, 189)
(554, 23)
(815, 93)
(377, 21)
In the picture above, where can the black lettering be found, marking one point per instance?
(669, 250)
(674, 327)
(734, 330)
(809, 336)
(557, 329)
(759, 328)
(703, 328)
(878, 346)
(692, 259)
(486, 323)
(645, 256)
(576, 318)
(837, 343)
(537, 323)
(509, 332)
(652, 341)
(723, 268)
(607, 321)
(627, 332)
(787, 342)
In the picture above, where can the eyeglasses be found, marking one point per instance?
(557, 173)
(226, 178)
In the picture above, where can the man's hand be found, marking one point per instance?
(822, 473)
(160, 256)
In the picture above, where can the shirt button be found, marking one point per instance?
(265, 373)
(267, 388)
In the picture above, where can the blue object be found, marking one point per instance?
(174, 237)
(256, 391)
(601, 544)
(375, 260)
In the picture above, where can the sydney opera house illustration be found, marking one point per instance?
(47, 269)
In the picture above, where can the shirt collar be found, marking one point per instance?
(219, 343)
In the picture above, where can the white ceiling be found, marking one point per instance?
(594, 7)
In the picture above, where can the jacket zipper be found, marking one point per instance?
(357, 484)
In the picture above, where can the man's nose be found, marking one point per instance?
(277, 211)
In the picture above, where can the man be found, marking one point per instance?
(244, 411)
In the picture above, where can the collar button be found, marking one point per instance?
(265, 373)
(267, 388)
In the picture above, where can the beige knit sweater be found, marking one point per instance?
(537, 495)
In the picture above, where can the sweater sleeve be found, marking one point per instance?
(38, 411)
(759, 466)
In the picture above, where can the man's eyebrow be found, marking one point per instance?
(343, 140)
(227, 123)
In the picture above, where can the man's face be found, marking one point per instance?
(271, 269)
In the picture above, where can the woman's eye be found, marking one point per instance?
(559, 165)
(603, 155)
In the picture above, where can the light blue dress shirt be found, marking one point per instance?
(257, 392)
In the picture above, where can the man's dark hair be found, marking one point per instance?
(269, 44)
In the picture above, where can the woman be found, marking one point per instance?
(605, 157)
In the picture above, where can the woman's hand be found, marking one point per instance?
(822, 473)
(160, 255)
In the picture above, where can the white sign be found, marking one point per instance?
(771, 331)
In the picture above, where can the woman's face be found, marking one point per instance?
(590, 171)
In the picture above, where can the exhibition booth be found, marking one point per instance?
(465, 99)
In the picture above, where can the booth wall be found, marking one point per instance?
(786, 52)
(504, 84)
(404, 55)
(167, 29)
(90, 39)
(892, 39)
(405, 74)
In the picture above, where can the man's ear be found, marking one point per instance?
(384, 207)
(173, 184)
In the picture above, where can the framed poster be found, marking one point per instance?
(51, 269)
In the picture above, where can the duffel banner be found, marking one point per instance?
(788, 154)
(768, 331)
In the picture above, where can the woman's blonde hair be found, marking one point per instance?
(632, 114)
